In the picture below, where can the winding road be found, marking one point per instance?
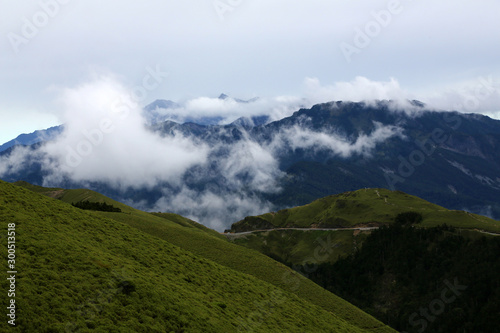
(235, 234)
(301, 229)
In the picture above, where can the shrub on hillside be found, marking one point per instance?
(408, 218)
(99, 206)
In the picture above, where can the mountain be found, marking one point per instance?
(290, 235)
(364, 208)
(33, 138)
(249, 122)
(414, 265)
(251, 100)
(165, 110)
(155, 112)
(448, 158)
(156, 272)
(161, 104)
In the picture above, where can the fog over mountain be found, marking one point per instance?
(218, 174)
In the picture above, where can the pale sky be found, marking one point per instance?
(444, 52)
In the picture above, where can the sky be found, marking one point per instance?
(429, 49)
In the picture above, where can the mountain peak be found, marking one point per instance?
(237, 100)
(161, 104)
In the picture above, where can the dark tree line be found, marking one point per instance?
(421, 280)
(98, 206)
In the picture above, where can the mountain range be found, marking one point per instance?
(449, 158)
(34, 138)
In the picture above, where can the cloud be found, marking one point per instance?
(215, 210)
(239, 172)
(211, 106)
(16, 159)
(481, 95)
(228, 110)
(358, 90)
(215, 182)
(300, 137)
(250, 164)
(105, 140)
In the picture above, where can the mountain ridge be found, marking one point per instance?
(448, 158)
(364, 208)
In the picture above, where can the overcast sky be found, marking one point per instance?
(444, 52)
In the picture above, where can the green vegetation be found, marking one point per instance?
(366, 207)
(155, 272)
(397, 272)
(402, 271)
(362, 208)
(408, 218)
(97, 206)
(292, 247)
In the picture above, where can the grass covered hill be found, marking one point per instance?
(366, 207)
(399, 272)
(362, 208)
(83, 271)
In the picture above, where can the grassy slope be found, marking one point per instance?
(209, 244)
(296, 246)
(367, 206)
(76, 269)
(363, 207)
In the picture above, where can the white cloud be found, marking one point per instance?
(300, 137)
(105, 139)
(358, 90)
(480, 95)
(252, 165)
(228, 110)
(211, 106)
(215, 210)
(16, 160)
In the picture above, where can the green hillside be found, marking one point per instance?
(362, 208)
(366, 207)
(202, 282)
(395, 271)
(296, 247)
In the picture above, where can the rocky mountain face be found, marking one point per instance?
(448, 158)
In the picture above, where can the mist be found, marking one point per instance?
(106, 139)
